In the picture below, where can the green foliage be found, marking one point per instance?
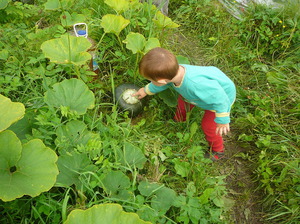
(4, 4)
(114, 23)
(137, 43)
(74, 168)
(71, 96)
(269, 32)
(67, 50)
(27, 169)
(107, 213)
(12, 113)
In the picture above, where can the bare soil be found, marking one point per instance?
(241, 185)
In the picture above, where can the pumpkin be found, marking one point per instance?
(125, 100)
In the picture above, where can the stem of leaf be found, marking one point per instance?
(64, 206)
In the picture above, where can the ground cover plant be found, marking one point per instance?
(148, 169)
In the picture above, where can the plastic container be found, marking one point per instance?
(81, 30)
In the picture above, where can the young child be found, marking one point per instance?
(206, 87)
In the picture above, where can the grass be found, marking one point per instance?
(267, 108)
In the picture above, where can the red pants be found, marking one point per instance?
(208, 124)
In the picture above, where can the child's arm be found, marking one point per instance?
(222, 129)
(150, 89)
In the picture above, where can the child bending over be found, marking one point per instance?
(206, 87)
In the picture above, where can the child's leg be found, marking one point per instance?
(209, 127)
(182, 108)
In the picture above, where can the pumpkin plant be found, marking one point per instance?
(4, 3)
(114, 24)
(137, 43)
(10, 112)
(25, 169)
(67, 50)
(104, 213)
(71, 96)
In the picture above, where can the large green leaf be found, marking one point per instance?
(67, 50)
(106, 214)
(132, 156)
(115, 181)
(68, 19)
(163, 21)
(148, 189)
(135, 42)
(169, 96)
(4, 3)
(151, 43)
(72, 134)
(162, 197)
(72, 168)
(73, 94)
(114, 23)
(58, 4)
(182, 60)
(24, 126)
(118, 5)
(28, 169)
(10, 112)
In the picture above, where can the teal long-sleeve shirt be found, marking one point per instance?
(206, 87)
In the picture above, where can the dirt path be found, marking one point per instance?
(241, 185)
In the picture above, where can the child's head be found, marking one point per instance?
(157, 64)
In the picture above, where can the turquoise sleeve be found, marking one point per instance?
(214, 95)
(156, 89)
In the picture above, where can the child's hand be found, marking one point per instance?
(141, 93)
(222, 129)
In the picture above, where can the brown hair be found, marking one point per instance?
(158, 63)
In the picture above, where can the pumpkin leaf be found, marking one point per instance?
(28, 169)
(135, 42)
(114, 23)
(147, 189)
(4, 3)
(68, 19)
(169, 97)
(58, 4)
(162, 197)
(10, 112)
(115, 181)
(163, 21)
(182, 60)
(73, 94)
(71, 166)
(131, 156)
(151, 43)
(67, 50)
(72, 134)
(52, 5)
(24, 126)
(118, 5)
(105, 213)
